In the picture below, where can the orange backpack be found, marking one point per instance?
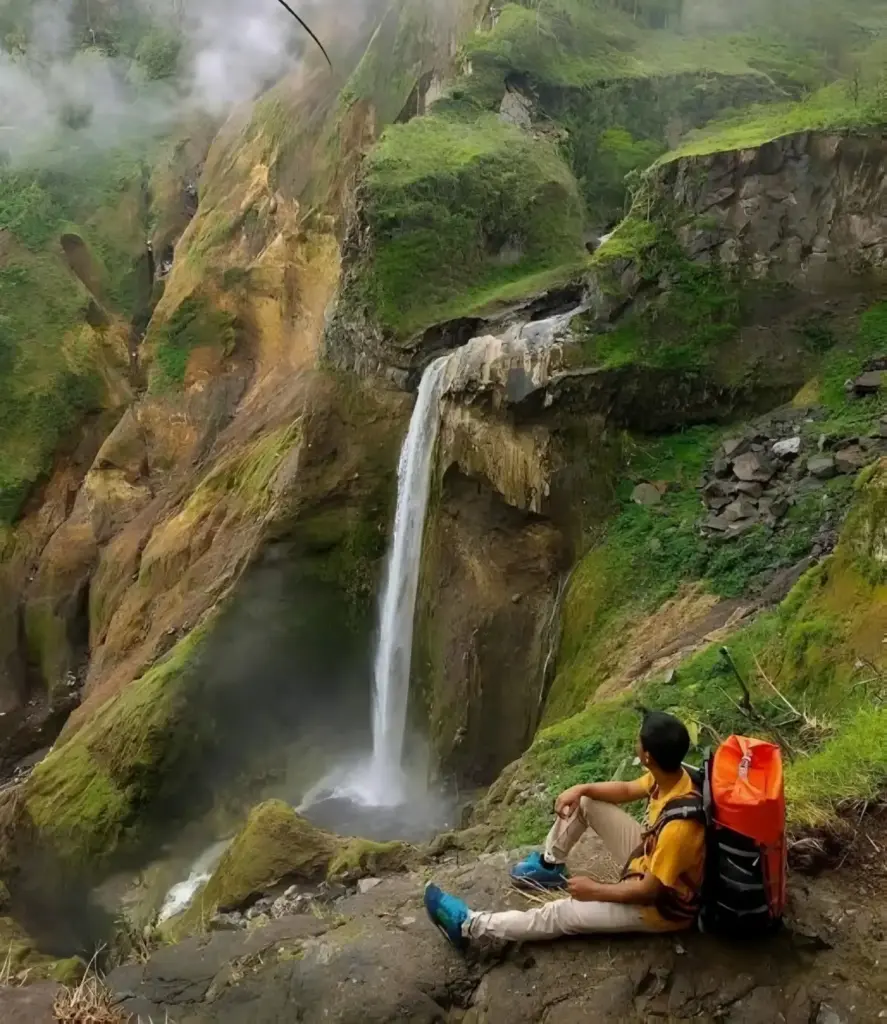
(744, 892)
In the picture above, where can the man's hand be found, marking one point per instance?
(584, 889)
(567, 803)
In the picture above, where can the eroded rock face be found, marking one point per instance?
(807, 209)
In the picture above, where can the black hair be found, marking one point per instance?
(665, 739)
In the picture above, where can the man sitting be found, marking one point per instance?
(664, 859)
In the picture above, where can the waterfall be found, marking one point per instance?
(391, 680)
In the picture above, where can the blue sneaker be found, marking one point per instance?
(533, 873)
(448, 913)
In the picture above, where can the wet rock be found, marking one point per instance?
(828, 1015)
(646, 494)
(227, 922)
(753, 466)
(868, 383)
(761, 1004)
(850, 460)
(787, 448)
(821, 466)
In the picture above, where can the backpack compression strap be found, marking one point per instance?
(682, 808)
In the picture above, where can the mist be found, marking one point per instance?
(68, 71)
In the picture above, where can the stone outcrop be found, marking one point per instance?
(806, 209)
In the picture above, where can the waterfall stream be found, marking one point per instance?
(391, 677)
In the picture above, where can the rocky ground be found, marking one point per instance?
(371, 956)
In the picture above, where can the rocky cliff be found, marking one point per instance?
(443, 194)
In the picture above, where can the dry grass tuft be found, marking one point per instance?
(90, 1002)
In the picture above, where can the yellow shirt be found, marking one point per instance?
(678, 859)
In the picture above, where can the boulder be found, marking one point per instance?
(720, 467)
(787, 448)
(850, 460)
(821, 466)
(718, 489)
(719, 524)
(750, 488)
(734, 447)
(753, 466)
(742, 508)
(275, 843)
(646, 494)
(868, 383)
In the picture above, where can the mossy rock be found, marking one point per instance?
(275, 844)
(362, 857)
(87, 798)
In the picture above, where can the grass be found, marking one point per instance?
(844, 362)
(246, 477)
(829, 108)
(822, 649)
(461, 210)
(196, 323)
(53, 357)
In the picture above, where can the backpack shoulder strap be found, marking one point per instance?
(682, 808)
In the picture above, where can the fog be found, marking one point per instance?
(65, 69)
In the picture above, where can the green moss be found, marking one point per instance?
(822, 649)
(275, 844)
(52, 363)
(361, 857)
(196, 323)
(700, 312)
(460, 208)
(829, 108)
(640, 558)
(86, 797)
(844, 362)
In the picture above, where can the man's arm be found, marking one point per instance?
(606, 792)
(640, 891)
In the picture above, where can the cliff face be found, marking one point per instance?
(236, 438)
(348, 230)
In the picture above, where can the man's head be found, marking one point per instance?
(663, 742)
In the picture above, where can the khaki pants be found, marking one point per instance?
(621, 835)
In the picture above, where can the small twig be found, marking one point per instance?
(877, 848)
(781, 696)
(852, 842)
(746, 695)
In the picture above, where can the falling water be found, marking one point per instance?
(391, 682)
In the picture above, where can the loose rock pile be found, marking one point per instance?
(758, 475)
(295, 900)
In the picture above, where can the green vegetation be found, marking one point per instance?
(86, 798)
(196, 323)
(57, 302)
(644, 554)
(844, 362)
(702, 309)
(274, 844)
(459, 209)
(830, 108)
